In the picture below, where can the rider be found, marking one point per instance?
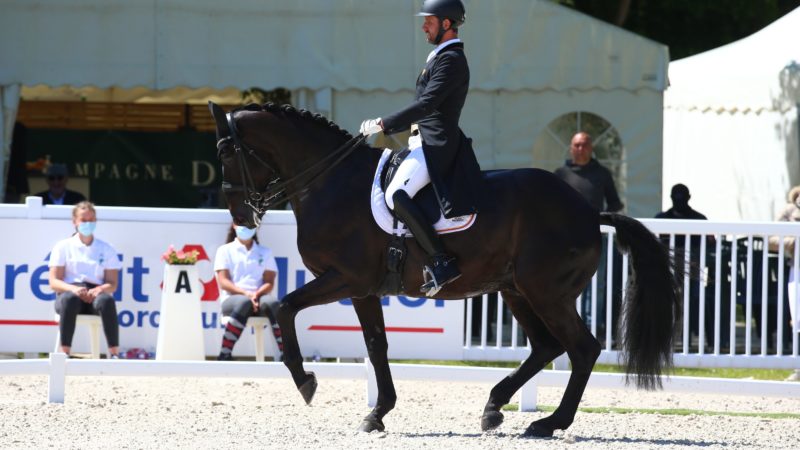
(440, 154)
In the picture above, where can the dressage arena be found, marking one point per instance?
(132, 412)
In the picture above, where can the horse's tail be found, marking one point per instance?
(651, 305)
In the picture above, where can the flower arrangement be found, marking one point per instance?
(179, 257)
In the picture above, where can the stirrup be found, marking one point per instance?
(432, 285)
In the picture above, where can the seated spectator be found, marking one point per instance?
(246, 271)
(83, 272)
(57, 192)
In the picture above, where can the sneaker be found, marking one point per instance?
(441, 271)
(113, 357)
(225, 357)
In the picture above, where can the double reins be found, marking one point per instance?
(277, 190)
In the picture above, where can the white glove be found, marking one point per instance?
(371, 126)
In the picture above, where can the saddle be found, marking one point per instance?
(426, 199)
(388, 222)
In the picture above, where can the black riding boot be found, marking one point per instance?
(441, 268)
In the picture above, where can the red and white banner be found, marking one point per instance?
(417, 328)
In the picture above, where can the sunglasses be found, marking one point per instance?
(55, 177)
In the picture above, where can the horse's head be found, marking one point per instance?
(273, 153)
(246, 175)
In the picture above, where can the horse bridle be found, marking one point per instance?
(275, 190)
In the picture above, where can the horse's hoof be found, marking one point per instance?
(370, 425)
(309, 387)
(491, 420)
(536, 430)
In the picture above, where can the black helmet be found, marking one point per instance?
(445, 9)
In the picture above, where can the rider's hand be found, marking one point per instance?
(371, 126)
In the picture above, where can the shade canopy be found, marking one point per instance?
(531, 63)
(730, 124)
(344, 44)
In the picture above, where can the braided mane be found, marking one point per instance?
(291, 112)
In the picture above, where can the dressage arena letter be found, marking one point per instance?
(183, 283)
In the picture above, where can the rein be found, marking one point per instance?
(277, 190)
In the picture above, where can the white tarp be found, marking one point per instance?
(310, 44)
(530, 62)
(730, 124)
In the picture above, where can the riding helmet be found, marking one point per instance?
(445, 9)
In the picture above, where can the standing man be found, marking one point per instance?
(681, 210)
(588, 176)
(57, 192)
(440, 154)
(595, 184)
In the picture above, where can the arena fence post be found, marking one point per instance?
(527, 396)
(57, 378)
(372, 384)
(561, 363)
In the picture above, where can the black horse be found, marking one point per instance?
(539, 246)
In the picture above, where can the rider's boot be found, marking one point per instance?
(441, 268)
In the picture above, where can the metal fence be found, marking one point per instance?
(739, 298)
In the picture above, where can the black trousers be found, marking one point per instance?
(240, 308)
(68, 306)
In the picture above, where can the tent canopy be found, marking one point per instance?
(730, 124)
(313, 44)
(757, 73)
(532, 63)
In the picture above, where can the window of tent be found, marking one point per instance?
(551, 148)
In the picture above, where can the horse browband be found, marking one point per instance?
(276, 190)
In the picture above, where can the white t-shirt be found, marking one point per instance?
(84, 263)
(246, 267)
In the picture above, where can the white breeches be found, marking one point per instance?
(412, 176)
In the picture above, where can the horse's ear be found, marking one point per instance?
(219, 118)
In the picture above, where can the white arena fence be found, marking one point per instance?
(737, 303)
(738, 311)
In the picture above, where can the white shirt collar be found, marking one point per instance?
(439, 48)
(241, 247)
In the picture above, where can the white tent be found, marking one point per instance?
(730, 124)
(530, 61)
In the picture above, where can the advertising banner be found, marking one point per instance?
(416, 328)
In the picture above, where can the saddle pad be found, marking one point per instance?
(383, 217)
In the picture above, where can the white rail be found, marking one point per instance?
(58, 367)
(736, 304)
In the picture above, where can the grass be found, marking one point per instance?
(666, 412)
(754, 374)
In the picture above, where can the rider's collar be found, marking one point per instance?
(439, 48)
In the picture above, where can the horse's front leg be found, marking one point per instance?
(327, 288)
(370, 314)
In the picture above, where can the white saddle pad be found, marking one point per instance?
(383, 217)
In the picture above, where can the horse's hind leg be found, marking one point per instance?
(544, 348)
(370, 314)
(583, 350)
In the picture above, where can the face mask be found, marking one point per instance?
(245, 233)
(86, 228)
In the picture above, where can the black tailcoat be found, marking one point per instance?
(441, 91)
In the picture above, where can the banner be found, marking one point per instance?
(417, 328)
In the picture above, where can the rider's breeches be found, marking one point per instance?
(412, 176)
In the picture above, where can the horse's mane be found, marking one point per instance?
(290, 112)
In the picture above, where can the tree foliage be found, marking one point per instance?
(687, 26)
